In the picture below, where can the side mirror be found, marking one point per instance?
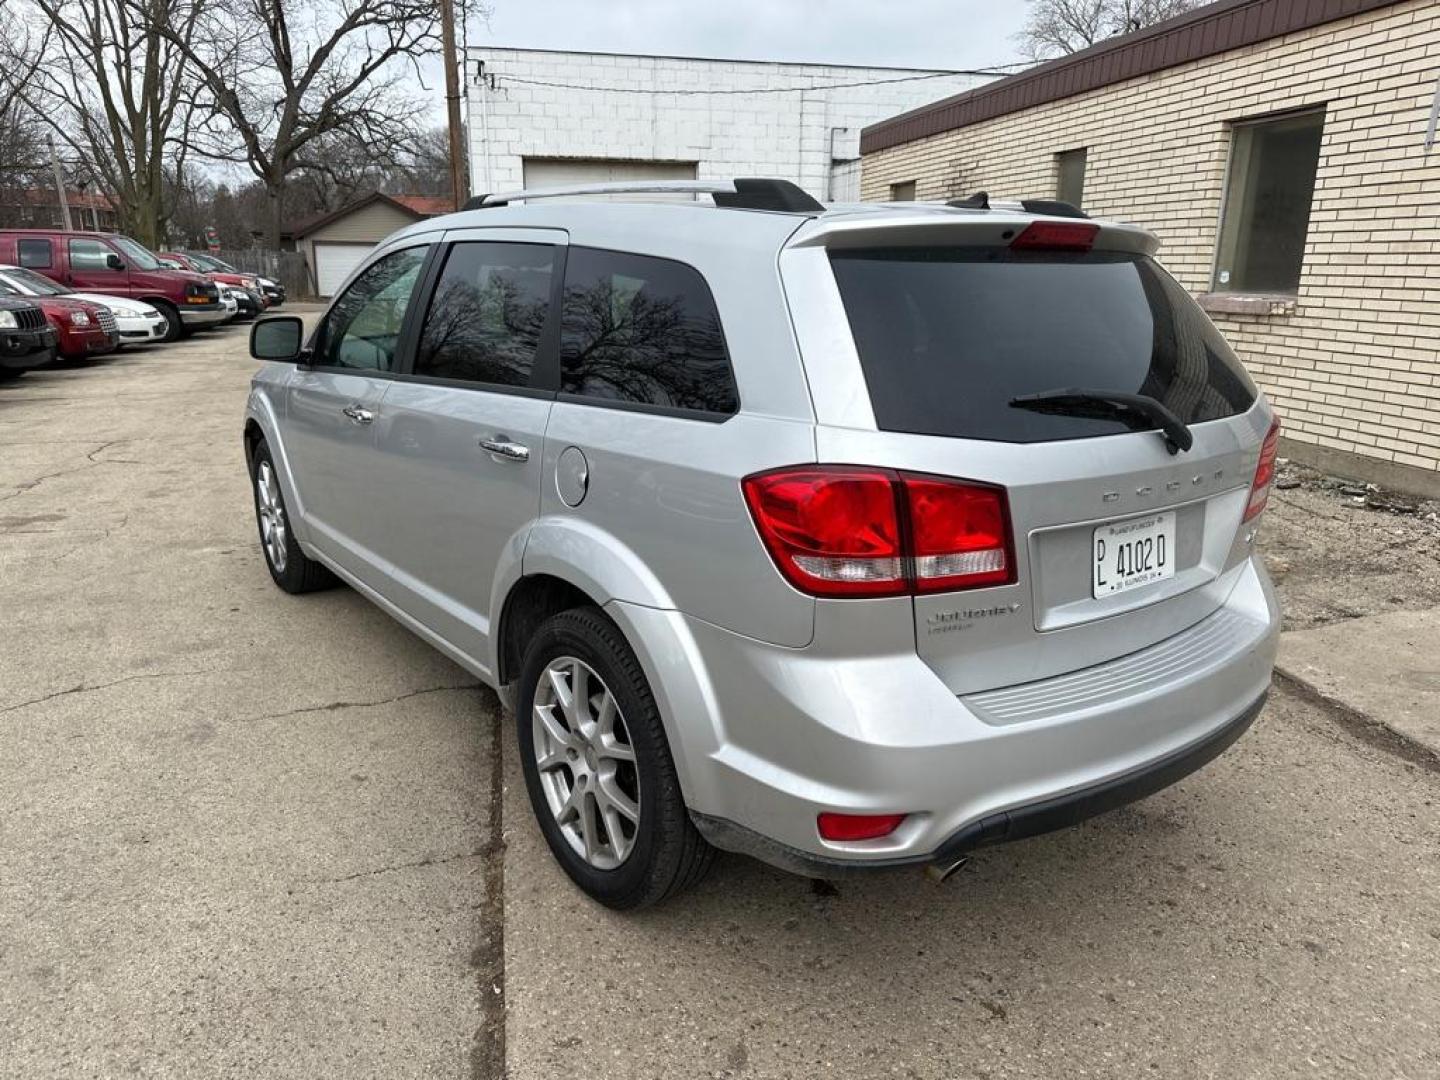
(114, 262)
(278, 337)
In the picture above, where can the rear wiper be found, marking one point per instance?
(1106, 404)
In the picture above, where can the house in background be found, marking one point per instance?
(540, 118)
(1286, 155)
(335, 243)
(39, 208)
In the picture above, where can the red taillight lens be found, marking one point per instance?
(1264, 473)
(1062, 235)
(857, 826)
(832, 532)
(960, 533)
(850, 531)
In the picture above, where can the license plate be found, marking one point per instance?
(1133, 553)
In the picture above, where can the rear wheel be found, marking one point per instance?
(598, 767)
(291, 568)
(174, 328)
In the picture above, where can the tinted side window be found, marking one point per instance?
(488, 314)
(643, 330)
(35, 253)
(362, 329)
(88, 255)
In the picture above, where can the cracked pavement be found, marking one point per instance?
(250, 835)
(240, 835)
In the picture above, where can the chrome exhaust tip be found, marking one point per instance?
(940, 873)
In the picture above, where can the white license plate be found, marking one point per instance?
(1133, 553)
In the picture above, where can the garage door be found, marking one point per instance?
(565, 172)
(333, 263)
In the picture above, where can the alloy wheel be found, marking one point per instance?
(273, 530)
(586, 762)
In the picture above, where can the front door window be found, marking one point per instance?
(362, 330)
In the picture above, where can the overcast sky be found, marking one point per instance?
(919, 33)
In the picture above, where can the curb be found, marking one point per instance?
(1362, 725)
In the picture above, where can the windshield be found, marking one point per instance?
(137, 254)
(208, 262)
(948, 336)
(31, 282)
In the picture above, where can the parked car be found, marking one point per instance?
(27, 340)
(136, 321)
(83, 330)
(271, 289)
(229, 303)
(846, 538)
(221, 275)
(251, 303)
(115, 265)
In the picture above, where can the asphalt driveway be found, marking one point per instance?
(250, 835)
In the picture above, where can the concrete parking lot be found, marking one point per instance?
(244, 834)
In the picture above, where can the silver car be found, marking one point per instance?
(844, 537)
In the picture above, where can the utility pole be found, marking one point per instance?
(452, 102)
(59, 183)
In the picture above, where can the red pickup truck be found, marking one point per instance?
(117, 266)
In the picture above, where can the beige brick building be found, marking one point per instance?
(1282, 150)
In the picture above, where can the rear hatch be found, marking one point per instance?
(1119, 538)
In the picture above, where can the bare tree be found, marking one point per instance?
(281, 75)
(22, 149)
(118, 99)
(1059, 27)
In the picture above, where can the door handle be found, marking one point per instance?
(358, 415)
(502, 447)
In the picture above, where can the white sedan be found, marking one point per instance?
(137, 322)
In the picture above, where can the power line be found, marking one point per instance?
(983, 73)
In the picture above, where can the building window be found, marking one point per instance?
(1267, 203)
(1070, 177)
(903, 192)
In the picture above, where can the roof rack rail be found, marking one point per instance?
(739, 194)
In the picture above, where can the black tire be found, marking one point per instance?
(668, 855)
(300, 574)
(174, 328)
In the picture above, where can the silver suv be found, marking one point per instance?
(843, 537)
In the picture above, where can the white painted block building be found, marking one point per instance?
(540, 118)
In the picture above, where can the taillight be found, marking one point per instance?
(832, 532)
(1061, 235)
(960, 534)
(857, 826)
(846, 531)
(1264, 473)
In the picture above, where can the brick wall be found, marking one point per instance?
(1354, 364)
(655, 114)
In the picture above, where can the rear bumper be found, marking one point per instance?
(767, 738)
(1017, 823)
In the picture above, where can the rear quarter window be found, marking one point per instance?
(947, 337)
(643, 331)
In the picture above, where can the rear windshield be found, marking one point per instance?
(948, 336)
